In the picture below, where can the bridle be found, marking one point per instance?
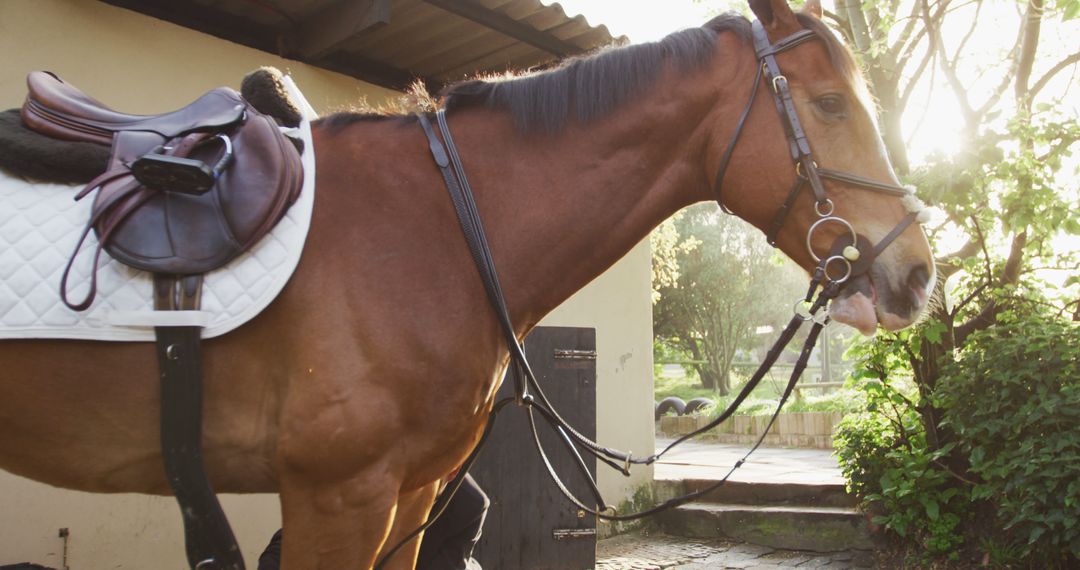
(850, 251)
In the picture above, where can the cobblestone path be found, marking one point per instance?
(659, 551)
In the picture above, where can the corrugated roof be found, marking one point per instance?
(393, 42)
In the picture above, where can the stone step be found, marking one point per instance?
(740, 493)
(795, 527)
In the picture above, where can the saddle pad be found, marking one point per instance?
(40, 224)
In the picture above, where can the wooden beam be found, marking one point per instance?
(327, 30)
(375, 72)
(242, 31)
(507, 26)
(207, 20)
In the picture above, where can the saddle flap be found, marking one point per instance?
(180, 233)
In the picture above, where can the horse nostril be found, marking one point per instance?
(918, 278)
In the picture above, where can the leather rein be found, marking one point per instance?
(851, 255)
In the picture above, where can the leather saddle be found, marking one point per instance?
(185, 192)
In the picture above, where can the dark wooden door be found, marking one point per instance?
(530, 525)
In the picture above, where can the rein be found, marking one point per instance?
(851, 253)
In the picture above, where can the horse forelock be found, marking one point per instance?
(843, 61)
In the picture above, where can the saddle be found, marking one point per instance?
(185, 192)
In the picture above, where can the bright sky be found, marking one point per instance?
(640, 20)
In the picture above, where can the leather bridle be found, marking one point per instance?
(850, 251)
(855, 256)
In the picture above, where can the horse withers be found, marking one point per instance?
(371, 375)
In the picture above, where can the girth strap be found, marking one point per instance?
(209, 540)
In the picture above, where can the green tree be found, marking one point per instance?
(715, 281)
(1010, 191)
(1010, 194)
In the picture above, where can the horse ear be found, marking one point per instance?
(813, 7)
(775, 15)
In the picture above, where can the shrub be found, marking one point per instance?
(885, 459)
(1013, 401)
(861, 441)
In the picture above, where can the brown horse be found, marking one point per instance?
(371, 376)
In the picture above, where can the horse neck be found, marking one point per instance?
(560, 209)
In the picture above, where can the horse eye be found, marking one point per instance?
(834, 105)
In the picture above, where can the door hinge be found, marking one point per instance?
(569, 354)
(566, 358)
(569, 533)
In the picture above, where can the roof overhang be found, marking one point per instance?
(393, 42)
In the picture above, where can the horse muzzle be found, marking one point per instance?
(879, 297)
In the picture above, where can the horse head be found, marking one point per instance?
(806, 164)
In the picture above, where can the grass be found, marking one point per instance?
(686, 388)
(762, 401)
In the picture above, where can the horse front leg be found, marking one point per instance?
(336, 525)
(411, 512)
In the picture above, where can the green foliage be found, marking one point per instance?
(1007, 442)
(920, 500)
(686, 388)
(885, 459)
(666, 249)
(1002, 553)
(1069, 8)
(843, 401)
(959, 422)
(861, 442)
(762, 402)
(714, 281)
(1013, 401)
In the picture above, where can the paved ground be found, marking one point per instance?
(705, 460)
(653, 552)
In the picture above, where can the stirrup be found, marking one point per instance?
(170, 173)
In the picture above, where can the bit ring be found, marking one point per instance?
(847, 264)
(814, 227)
(826, 213)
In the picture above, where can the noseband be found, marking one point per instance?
(851, 253)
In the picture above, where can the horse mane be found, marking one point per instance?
(589, 87)
(586, 88)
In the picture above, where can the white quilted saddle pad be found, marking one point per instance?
(40, 224)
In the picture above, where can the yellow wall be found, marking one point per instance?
(142, 65)
(618, 304)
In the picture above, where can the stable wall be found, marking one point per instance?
(143, 65)
(620, 301)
